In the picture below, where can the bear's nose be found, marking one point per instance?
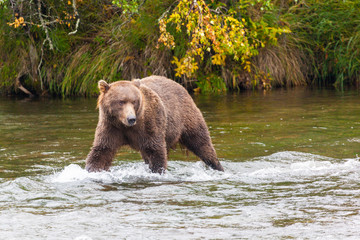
(131, 120)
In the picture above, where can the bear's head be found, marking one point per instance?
(121, 101)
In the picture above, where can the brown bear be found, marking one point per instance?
(150, 115)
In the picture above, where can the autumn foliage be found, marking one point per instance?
(50, 47)
(218, 32)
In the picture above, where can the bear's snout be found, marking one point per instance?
(131, 120)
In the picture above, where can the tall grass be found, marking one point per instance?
(103, 48)
(329, 33)
(285, 64)
(118, 53)
(322, 49)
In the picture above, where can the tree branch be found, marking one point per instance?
(47, 39)
(21, 87)
(78, 18)
(167, 10)
(40, 62)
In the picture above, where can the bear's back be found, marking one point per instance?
(170, 92)
(180, 108)
(166, 89)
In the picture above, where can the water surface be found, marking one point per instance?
(291, 172)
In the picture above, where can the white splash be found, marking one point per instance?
(139, 172)
(83, 237)
(281, 166)
(71, 173)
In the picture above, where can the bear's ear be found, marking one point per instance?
(136, 82)
(103, 86)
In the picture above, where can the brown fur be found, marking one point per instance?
(150, 115)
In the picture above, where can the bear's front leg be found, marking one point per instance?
(99, 159)
(105, 145)
(156, 157)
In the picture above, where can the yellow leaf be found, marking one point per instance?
(197, 90)
(218, 59)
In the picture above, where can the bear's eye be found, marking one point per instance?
(121, 103)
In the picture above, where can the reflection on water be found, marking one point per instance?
(290, 159)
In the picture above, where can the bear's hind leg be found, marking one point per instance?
(199, 143)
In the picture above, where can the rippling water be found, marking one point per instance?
(291, 172)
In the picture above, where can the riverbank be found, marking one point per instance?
(74, 44)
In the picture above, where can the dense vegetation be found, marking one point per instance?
(51, 47)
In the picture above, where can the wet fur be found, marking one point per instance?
(165, 115)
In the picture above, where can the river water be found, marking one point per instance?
(291, 164)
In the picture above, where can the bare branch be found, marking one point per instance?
(78, 18)
(76, 27)
(167, 10)
(21, 87)
(43, 24)
(40, 62)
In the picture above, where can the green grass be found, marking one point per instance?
(322, 49)
(329, 33)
